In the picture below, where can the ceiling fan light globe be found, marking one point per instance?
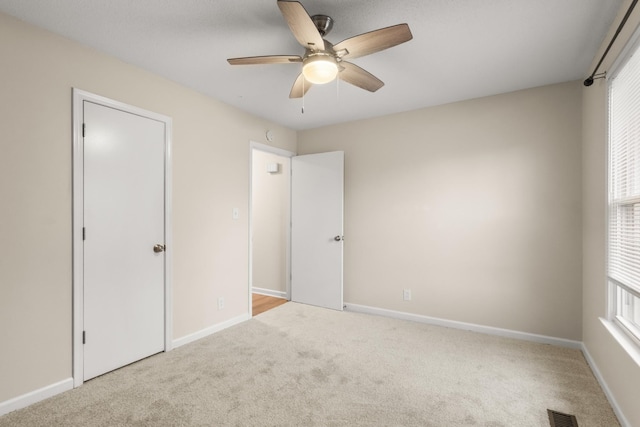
(320, 69)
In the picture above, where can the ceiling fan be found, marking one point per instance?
(323, 61)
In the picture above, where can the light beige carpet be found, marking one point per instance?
(299, 365)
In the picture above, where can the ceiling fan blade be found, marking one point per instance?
(272, 59)
(300, 87)
(357, 76)
(374, 41)
(301, 25)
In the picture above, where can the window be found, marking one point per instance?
(624, 197)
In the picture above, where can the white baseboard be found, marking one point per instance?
(612, 401)
(210, 330)
(269, 292)
(35, 396)
(508, 333)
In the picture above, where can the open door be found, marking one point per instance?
(317, 199)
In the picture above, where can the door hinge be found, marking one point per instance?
(83, 126)
(84, 337)
(84, 233)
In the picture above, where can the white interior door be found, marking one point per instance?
(124, 164)
(317, 194)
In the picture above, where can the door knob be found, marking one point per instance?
(158, 248)
(338, 238)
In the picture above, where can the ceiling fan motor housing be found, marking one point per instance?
(323, 23)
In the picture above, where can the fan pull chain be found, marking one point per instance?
(303, 79)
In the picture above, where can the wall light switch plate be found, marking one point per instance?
(235, 213)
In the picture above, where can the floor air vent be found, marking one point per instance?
(558, 419)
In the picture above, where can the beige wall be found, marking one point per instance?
(621, 374)
(210, 178)
(474, 206)
(270, 221)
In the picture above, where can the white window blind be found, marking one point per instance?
(624, 194)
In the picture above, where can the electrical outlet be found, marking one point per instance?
(220, 303)
(406, 294)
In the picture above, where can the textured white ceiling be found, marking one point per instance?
(461, 49)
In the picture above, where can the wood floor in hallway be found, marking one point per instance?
(261, 303)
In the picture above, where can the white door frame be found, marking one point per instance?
(284, 153)
(79, 97)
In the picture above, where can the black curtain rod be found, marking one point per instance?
(589, 80)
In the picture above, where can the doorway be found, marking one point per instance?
(121, 235)
(306, 210)
(269, 224)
